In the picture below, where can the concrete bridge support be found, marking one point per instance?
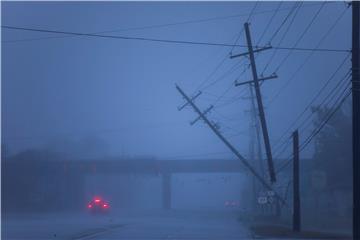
(166, 191)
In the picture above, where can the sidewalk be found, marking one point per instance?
(269, 231)
(271, 227)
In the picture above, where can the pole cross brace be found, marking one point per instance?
(247, 53)
(272, 76)
(192, 99)
(246, 164)
(204, 113)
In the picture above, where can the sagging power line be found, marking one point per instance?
(170, 41)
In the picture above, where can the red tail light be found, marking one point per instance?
(89, 206)
(97, 199)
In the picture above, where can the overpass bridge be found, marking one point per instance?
(163, 168)
(152, 166)
(65, 169)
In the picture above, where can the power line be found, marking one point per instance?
(316, 96)
(228, 118)
(228, 72)
(311, 49)
(212, 73)
(309, 139)
(218, 66)
(242, 29)
(269, 23)
(321, 104)
(297, 7)
(282, 150)
(316, 131)
(119, 37)
(233, 100)
(307, 58)
(162, 25)
(252, 11)
(230, 86)
(330, 96)
(157, 40)
(236, 40)
(228, 89)
(301, 36)
(222, 95)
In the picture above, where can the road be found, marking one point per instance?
(171, 224)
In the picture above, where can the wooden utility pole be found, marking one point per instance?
(256, 81)
(214, 128)
(252, 157)
(255, 134)
(260, 105)
(256, 131)
(356, 116)
(296, 184)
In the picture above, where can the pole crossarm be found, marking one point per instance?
(229, 145)
(247, 53)
(272, 76)
(204, 113)
(192, 99)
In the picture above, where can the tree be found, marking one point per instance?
(333, 153)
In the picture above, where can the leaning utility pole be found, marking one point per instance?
(256, 131)
(255, 81)
(296, 184)
(356, 116)
(252, 157)
(255, 134)
(214, 128)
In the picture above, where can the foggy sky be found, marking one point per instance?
(122, 91)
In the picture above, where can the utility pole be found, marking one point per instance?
(255, 81)
(252, 157)
(256, 131)
(356, 116)
(296, 184)
(215, 129)
(255, 134)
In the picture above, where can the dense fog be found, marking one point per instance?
(93, 144)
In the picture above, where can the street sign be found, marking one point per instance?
(262, 200)
(270, 193)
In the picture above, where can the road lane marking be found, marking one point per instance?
(96, 232)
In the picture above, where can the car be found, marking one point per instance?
(232, 203)
(98, 205)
